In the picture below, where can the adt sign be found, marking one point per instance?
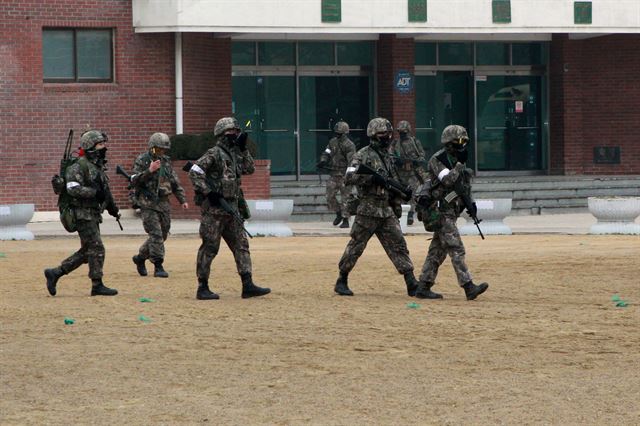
(404, 82)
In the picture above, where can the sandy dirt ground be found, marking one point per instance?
(545, 344)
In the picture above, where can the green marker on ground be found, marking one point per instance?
(69, 321)
(413, 305)
(144, 319)
(146, 300)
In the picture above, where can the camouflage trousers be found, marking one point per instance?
(91, 250)
(388, 231)
(157, 225)
(336, 185)
(446, 241)
(409, 178)
(212, 228)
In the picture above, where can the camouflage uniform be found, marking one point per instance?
(377, 212)
(409, 156)
(88, 185)
(152, 190)
(336, 157)
(218, 174)
(444, 171)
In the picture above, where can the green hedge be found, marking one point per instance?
(191, 147)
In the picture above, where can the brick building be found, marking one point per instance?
(544, 87)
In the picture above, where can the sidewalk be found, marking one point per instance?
(541, 224)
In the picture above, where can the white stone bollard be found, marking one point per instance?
(13, 221)
(492, 212)
(615, 215)
(403, 218)
(270, 217)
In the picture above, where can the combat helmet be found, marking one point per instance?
(225, 124)
(341, 127)
(377, 125)
(91, 138)
(454, 134)
(404, 126)
(160, 140)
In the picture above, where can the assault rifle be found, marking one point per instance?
(390, 184)
(120, 171)
(224, 204)
(459, 191)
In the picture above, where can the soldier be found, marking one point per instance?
(378, 210)
(335, 158)
(216, 177)
(153, 181)
(440, 204)
(88, 186)
(409, 156)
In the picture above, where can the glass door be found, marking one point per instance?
(442, 99)
(509, 133)
(324, 100)
(265, 107)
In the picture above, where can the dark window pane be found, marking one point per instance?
(276, 53)
(455, 53)
(492, 54)
(311, 53)
(243, 53)
(57, 54)
(94, 54)
(425, 53)
(355, 53)
(529, 54)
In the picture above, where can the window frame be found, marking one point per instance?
(77, 79)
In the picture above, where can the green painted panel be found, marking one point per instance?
(501, 11)
(417, 10)
(426, 53)
(331, 11)
(582, 13)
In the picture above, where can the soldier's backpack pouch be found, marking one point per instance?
(57, 182)
(430, 219)
(68, 218)
(352, 204)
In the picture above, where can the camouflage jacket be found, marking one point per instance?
(410, 159)
(443, 171)
(374, 200)
(153, 189)
(220, 170)
(338, 154)
(88, 185)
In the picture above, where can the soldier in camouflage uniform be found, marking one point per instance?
(153, 181)
(409, 156)
(447, 176)
(88, 185)
(216, 176)
(378, 210)
(335, 158)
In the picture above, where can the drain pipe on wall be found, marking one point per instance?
(178, 55)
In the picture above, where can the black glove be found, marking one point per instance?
(214, 197)
(378, 180)
(321, 164)
(241, 141)
(100, 196)
(473, 209)
(462, 156)
(423, 201)
(114, 211)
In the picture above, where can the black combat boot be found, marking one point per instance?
(249, 289)
(99, 289)
(338, 219)
(140, 266)
(410, 218)
(472, 291)
(53, 275)
(412, 284)
(159, 270)
(342, 287)
(345, 222)
(424, 291)
(204, 293)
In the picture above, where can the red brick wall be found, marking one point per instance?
(256, 186)
(395, 54)
(35, 116)
(206, 67)
(595, 101)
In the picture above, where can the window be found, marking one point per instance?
(77, 55)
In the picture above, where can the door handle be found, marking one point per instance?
(494, 128)
(526, 128)
(275, 130)
(318, 130)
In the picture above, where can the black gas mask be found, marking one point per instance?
(458, 148)
(384, 140)
(231, 138)
(99, 156)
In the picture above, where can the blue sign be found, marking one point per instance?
(404, 82)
